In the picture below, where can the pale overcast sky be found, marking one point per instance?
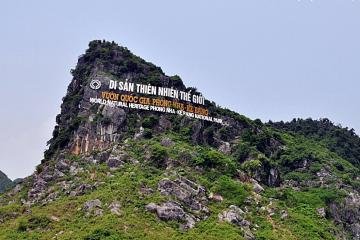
(267, 59)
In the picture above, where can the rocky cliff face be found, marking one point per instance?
(121, 173)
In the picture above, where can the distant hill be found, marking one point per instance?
(5, 182)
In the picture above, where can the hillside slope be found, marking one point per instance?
(121, 173)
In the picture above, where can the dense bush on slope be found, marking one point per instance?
(342, 141)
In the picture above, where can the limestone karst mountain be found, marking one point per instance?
(146, 163)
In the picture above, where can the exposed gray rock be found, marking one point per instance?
(167, 142)
(347, 213)
(92, 204)
(139, 134)
(82, 189)
(115, 208)
(58, 174)
(225, 148)
(216, 197)
(90, 159)
(75, 170)
(172, 211)
(186, 191)
(284, 214)
(151, 207)
(103, 156)
(146, 191)
(245, 223)
(50, 198)
(355, 229)
(117, 158)
(62, 165)
(196, 130)
(164, 123)
(93, 207)
(115, 163)
(321, 211)
(248, 235)
(273, 177)
(47, 177)
(256, 186)
(54, 219)
(38, 187)
(190, 194)
(65, 185)
(233, 215)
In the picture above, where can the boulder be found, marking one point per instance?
(117, 158)
(348, 212)
(58, 174)
(62, 166)
(164, 123)
(256, 186)
(75, 170)
(151, 207)
(39, 186)
(166, 142)
(321, 211)
(82, 189)
(225, 148)
(284, 214)
(273, 179)
(172, 211)
(216, 197)
(115, 208)
(93, 207)
(233, 215)
(189, 193)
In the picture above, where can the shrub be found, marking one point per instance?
(35, 222)
(213, 159)
(22, 227)
(251, 166)
(158, 155)
(98, 234)
(147, 133)
(314, 197)
(38, 222)
(230, 189)
(242, 152)
(209, 135)
(298, 176)
(225, 133)
(39, 168)
(150, 122)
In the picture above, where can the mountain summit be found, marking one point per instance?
(136, 154)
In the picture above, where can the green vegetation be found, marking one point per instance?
(232, 190)
(337, 139)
